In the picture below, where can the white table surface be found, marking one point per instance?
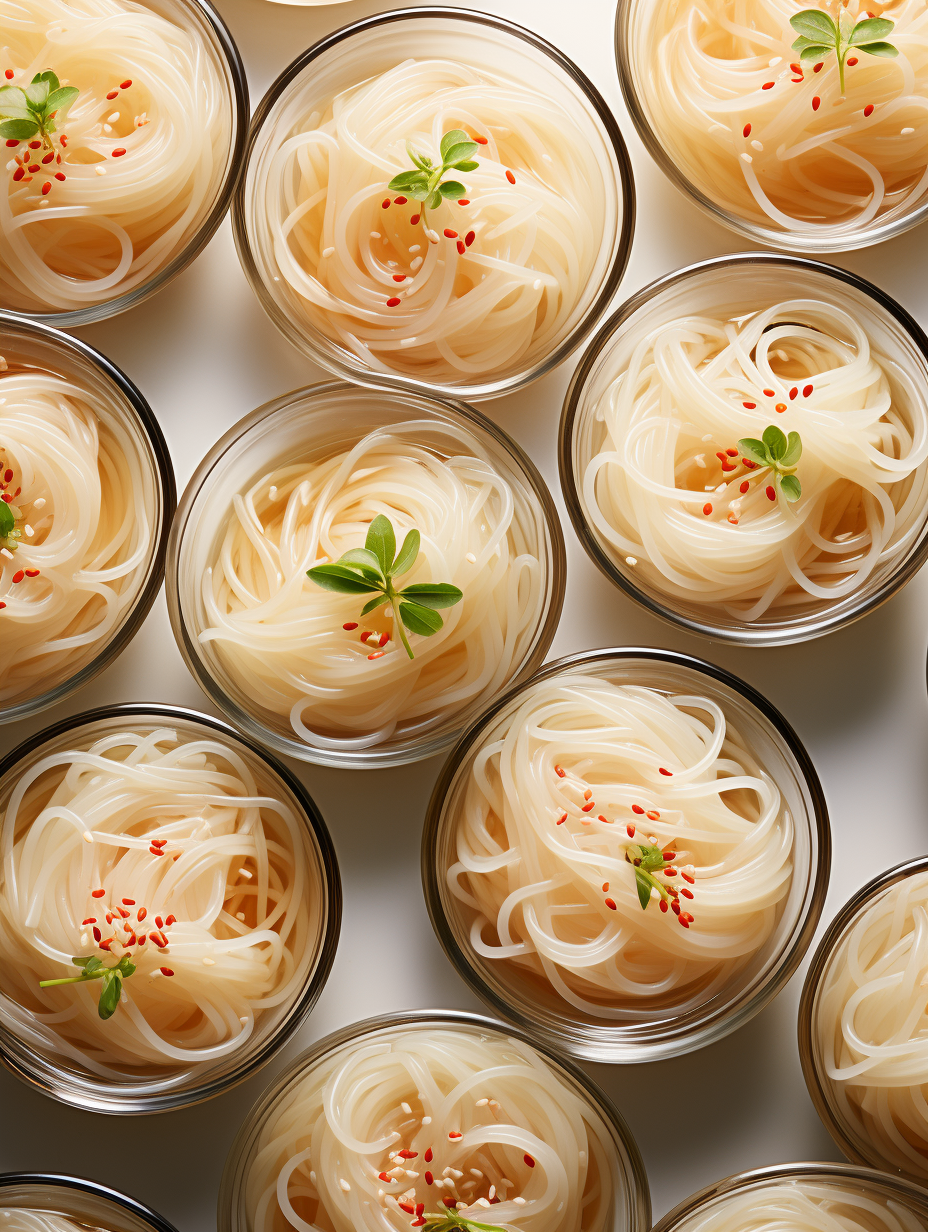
(204, 354)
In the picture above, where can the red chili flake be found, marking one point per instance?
(19, 173)
(817, 68)
(123, 915)
(109, 917)
(482, 140)
(156, 851)
(142, 939)
(352, 624)
(670, 855)
(126, 84)
(683, 923)
(768, 85)
(451, 1203)
(807, 391)
(691, 880)
(105, 945)
(9, 74)
(420, 1207)
(172, 919)
(6, 496)
(510, 177)
(686, 893)
(588, 807)
(669, 773)
(461, 247)
(142, 913)
(399, 277)
(400, 200)
(166, 971)
(10, 141)
(781, 407)
(18, 576)
(158, 842)
(653, 815)
(793, 393)
(852, 62)
(868, 110)
(675, 907)
(159, 921)
(378, 654)
(60, 175)
(560, 772)
(366, 634)
(746, 131)
(64, 140)
(419, 1223)
(97, 893)
(382, 1176)
(97, 935)
(816, 103)
(771, 495)
(34, 168)
(744, 487)
(414, 220)
(529, 1161)
(428, 1156)
(663, 905)
(769, 393)
(707, 508)
(91, 919)
(796, 68)
(128, 902)
(385, 203)
(405, 1154)
(470, 237)
(112, 94)
(49, 157)
(560, 821)
(35, 145)
(610, 903)
(429, 1179)
(454, 1134)
(605, 887)
(393, 301)
(2, 605)
(670, 872)
(732, 453)
(46, 188)
(630, 831)
(749, 406)
(119, 152)
(464, 201)
(604, 820)
(155, 938)
(636, 808)
(451, 235)
(751, 466)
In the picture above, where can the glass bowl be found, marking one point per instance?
(374, 45)
(846, 1122)
(199, 20)
(863, 1183)
(88, 1204)
(520, 996)
(29, 345)
(634, 36)
(314, 423)
(630, 1182)
(68, 1081)
(741, 284)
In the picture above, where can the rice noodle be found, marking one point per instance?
(806, 1206)
(116, 219)
(555, 797)
(871, 1025)
(486, 1117)
(85, 507)
(533, 250)
(674, 400)
(282, 640)
(818, 172)
(19, 1219)
(227, 907)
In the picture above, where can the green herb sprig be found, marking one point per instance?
(94, 969)
(374, 569)
(820, 35)
(427, 183)
(781, 454)
(37, 110)
(448, 1221)
(7, 520)
(647, 859)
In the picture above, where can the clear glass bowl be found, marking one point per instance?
(373, 45)
(633, 44)
(31, 345)
(630, 1180)
(66, 1080)
(90, 1205)
(314, 423)
(744, 282)
(864, 1183)
(200, 20)
(534, 1004)
(826, 1094)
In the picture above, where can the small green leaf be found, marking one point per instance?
(22, 130)
(814, 51)
(381, 541)
(418, 193)
(870, 30)
(49, 78)
(407, 555)
(455, 136)
(109, 994)
(60, 100)
(434, 200)
(364, 560)
(460, 153)
(451, 188)
(37, 95)
(7, 521)
(468, 166)
(433, 594)
(880, 49)
(407, 179)
(814, 24)
(421, 620)
(643, 886)
(790, 487)
(11, 96)
(125, 966)
(793, 450)
(374, 603)
(775, 442)
(755, 450)
(420, 159)
(341, 579)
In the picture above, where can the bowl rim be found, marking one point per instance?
(12, 323)
(883, 1182)
(227, 50)
(756, 232)
(306, 340)
(59, 1180)
(457, 410)
(743, 635)
(61, 1088)
(721, 1021)
(815, 1084)
(638, 1196)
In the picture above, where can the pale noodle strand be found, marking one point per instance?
(21, 1220)
(535, 260)
(280, 638)
(86, 507)
(113, 222)
(229, 907)
(806, 1206)
(704, 530)
(823, 171)
(480, 1103)
(543, 877)
(872, 1025)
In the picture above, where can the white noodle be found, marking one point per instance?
(77, 480)
(806, 1206)
(556, 896)
(103, 235)
(317, 1160)
(19, 1219)
(280, 637)
(515, 292)
(228, 850)
(822, 172)
(703, 528)
(872, 1025)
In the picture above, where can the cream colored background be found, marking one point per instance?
(205, 355)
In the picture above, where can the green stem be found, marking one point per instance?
(398, 620)
(841, 58)
(74, 979)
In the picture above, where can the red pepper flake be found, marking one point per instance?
(470, 237)
(771, 494)
(18, 576)
(796, 68)
(128, 902)
(49, 157)
(751, 466)
(630, 831)
(142, 939)
(166, 971)
(428, 1156)
(159, 842)
(653, 815)
(610, 903)
(816, 103)
(663, 905)
(159, 921)
(172, 919)
(852, 62)
(451, 1203)
(414, 220)
(868, 110)
(807, 391)
(451, 235)
(817, 68)
(781, 407)
(91, 919)
(9, 74)
(707, 508)
(605, 887)
(482, 140)
(352, 624)
(10, 141)
(746, 131)
(19, 173)
(406, 1154)
(60, 175)
(393, 301)
(46, 188)
(744, 487)
(560, 821)
(105, 945)
(732, 453)
(97, 935)
(384, 638)
(453, 1134)
(385, 203)
(34, 168)
(588, 807)
(118, 153)
(529, 1161)
(636, 808)
(378, 654)
(382, 1176)
(685, 892)
(64, 141)
(97, 893)
(156, 851)
(142, 913)
(464, 201)
(560, 772)
(461, 247)
(35, 145)
(749, 406)
(793, 393)
(769, 393)
(126, 84)
(399, 277)
(768, 85)
(400, 200)
(112, 94)
(668, 773)
(510, 177)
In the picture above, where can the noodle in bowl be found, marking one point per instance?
(863, 1025)
(773, 146)
(669, 504)
(416, 1113)
(173, 847)
(298, 486)
(479, 293)
(49, 1202)
(539, 880)
(140, 168)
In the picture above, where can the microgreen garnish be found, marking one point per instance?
(94, 969)
(7, 520)
(646, 860)
(373, 570)
(34, 111)
(427, 183)
(447, 1221)
(781, 454)
(820, 35)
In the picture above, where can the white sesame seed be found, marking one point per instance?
(473, 560)
(5, 552)
(426, 1120)
(700, 460)
(757, 145)
(29, 531)
(39, 504)
(375, 235)
(707, 437)
(240, 915)
(408, 341)
(85, 941)
(107, 128)
(209, 962)
(519, 1201)
(88, 837)
(111, 119)
(537, 284)
(345, 1186)
(328, 252)
(746, 158)
(100, 170)
(907, 132)
(415, 263)
(312, 1178)
(406, 1107)
(775, 61)
(631, 560)
(243, 872)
